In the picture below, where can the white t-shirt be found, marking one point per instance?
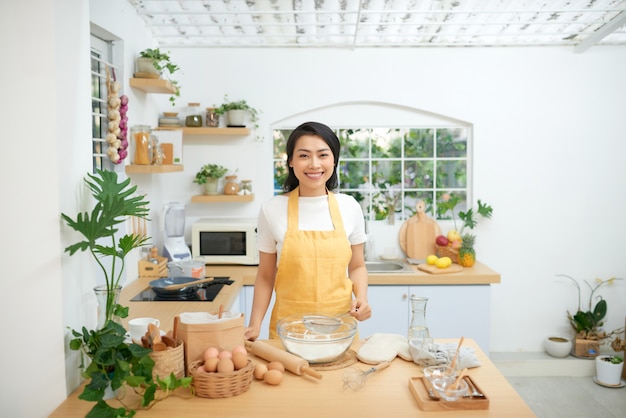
(313, 215)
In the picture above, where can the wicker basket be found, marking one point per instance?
(169, 361)
(448, 252)
(221, 385)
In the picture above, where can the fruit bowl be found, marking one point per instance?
(316, 346)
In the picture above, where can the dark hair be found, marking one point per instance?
(324, 132)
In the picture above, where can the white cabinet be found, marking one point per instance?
(245, 297)
(452, 311)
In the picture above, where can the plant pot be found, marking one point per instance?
(235, 117)
(145, 66)
(608, 373)
(585, 348)
(211, 186)
(557, 346)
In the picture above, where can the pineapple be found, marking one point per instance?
(467, 255)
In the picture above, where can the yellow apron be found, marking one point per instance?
(312, 271)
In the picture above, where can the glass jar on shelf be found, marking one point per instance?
(141, 143)
(212, 118)
(246, 187)
(193, 116)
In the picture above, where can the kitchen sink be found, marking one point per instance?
(387, 267)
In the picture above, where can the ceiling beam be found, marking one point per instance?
(617, 22)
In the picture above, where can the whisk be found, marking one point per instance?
(354, 378)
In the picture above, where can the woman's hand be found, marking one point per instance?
(251, 333)
(360, 310)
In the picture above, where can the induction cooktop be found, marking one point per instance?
(206, 292)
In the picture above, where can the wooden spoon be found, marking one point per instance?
(182, 285)
(455, 384)
(456, 355)
(155, 335)
(220, 312)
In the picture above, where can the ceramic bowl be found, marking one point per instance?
(316, 347)
(443, 388)
(558, 346)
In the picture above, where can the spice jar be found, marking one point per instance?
(142, 144)
(231, 187)
(246, 187)
(212, 118)
(194, 116)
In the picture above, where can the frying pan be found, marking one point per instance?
(159, 286)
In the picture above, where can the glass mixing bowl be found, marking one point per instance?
(309, 336)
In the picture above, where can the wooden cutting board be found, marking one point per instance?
(417, 234)
(428, 268)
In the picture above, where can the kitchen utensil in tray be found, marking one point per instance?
(419, 389)
(220, 385)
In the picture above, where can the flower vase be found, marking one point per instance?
(210, 186)
(106, 304)
(391, 214)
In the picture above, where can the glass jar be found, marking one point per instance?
(418, 329)
(246, 186)
(231, 187)
(193, 117)
(142, 144)
(212, 118)
(157, 151)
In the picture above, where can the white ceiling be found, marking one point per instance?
(385, 23)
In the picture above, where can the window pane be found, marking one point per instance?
(451, 174)
(387, 143)
(280, 143)
(386, 172)
(280, 174)
(410, 203)
(419, 174)
(419, 143)
(352, 174)
(354, 143)
(452, 142)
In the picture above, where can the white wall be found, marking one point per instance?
(549, 128)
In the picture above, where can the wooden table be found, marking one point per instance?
(385, 394)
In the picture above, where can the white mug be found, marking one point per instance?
(137, 327)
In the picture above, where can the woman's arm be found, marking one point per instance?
(357, 272)
(263, 288)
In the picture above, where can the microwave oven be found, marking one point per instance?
(225, 241)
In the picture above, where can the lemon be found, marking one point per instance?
(431, 259)
(448, 261)
(441, 263)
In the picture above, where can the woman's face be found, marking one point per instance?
(313, 163)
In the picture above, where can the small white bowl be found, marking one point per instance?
(558, 346)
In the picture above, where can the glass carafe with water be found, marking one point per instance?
(418, 329)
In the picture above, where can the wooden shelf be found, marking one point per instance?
(206, 131)
(153, 85)
(221, 198)
(153, 169)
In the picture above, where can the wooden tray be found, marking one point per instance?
(420, 393)
(428, 268)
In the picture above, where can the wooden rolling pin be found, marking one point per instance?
(292, 363)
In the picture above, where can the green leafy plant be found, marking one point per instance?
(163, 64)
(214, 171)
(115, 202)
(238, 105)
(115, 363)
(587, 323)
(469, 217)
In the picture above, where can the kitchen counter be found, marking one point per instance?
(385, 394)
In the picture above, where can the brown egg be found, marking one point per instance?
(273, 377)
(239, 349)
(211, 352)
(276, 365)
(225, 365)
(211, 364)
(200, 369)
(259, 371)
(240, 360)
(225, 354)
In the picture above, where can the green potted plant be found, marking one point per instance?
(235, 111)
(112, 362)
(587, 323)
(209, 175)
(153, 61)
